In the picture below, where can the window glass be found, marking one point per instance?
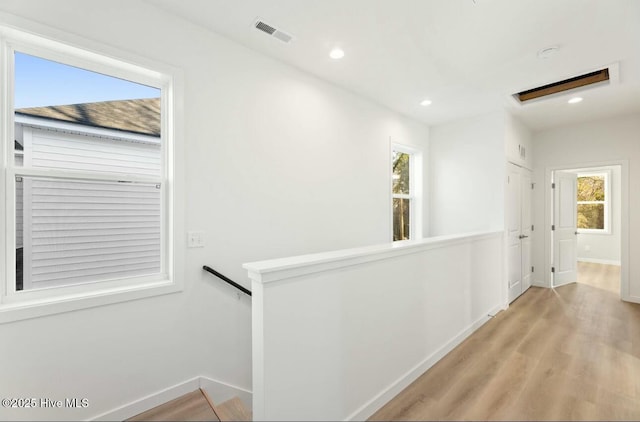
(591, 195)
(70, 228)
(591, 188)
(401, 163)
(83, 231)
(401, 219)
(403, 194)
(591, 216)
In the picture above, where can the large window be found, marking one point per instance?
(593, 202)
(405, 190)
(86, 188)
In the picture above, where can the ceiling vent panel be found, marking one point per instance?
(282, 36)
(588, 80)
(264, 27)
(271, 30)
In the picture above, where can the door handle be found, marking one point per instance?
(576, 232)
(522, 236)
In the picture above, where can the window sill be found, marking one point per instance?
(10, 312)
(598, 232)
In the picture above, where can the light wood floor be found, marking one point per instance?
(193, 406)
(571, 353)
(196, 406)
(605, 277)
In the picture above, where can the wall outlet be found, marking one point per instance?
(195, 239)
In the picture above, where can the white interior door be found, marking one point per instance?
(514, 244)
(565, 234)
(525, 228)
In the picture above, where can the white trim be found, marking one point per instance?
(221, 391)
(416, 188)
(31, 39)
(149, 402)
(624, 223)
(382, 398)
(538, 283)
(7, 195)
(63, 52)
(218, 391)
(600, 261)
(280, 269)
(10, 312)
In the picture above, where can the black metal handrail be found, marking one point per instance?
(227, 279)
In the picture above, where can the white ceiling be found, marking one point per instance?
(466, 56)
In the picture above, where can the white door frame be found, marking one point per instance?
(566, 228)
(624, 227)
(524, 235)
(513, 196)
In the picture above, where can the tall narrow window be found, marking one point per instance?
(593, 202)
(405, 190)
(402, 199)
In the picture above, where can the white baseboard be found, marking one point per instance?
(149, 402)
(220, 392)
(217, 390)
(632, 299)
(538, 283)
(369, 408)
(600, 261)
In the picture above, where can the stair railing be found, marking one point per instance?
(226, 279)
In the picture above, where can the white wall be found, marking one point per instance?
(518, 142)
(278, 163)
(334, 340)
(605, 248)
(586, 145)
(467, 175)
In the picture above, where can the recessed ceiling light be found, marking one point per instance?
(336, 53)
(547, 52)
(575, 100)
(425, 103)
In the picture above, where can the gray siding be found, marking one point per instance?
(60, 150)
(19, 206)
(82, 232)
(85, 231)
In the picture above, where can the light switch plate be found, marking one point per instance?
(195, 239)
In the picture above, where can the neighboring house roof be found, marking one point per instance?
(138, 116)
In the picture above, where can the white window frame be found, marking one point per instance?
(606, 202)
(415, 190)
(17, 305)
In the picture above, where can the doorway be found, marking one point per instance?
(519, 230)
(587, 227)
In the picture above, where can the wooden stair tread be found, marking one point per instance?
(192, 406)
(233, 410)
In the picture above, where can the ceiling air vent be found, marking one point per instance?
(582, 81)
(261, 25)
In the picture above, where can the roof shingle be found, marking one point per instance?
(138, 116)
